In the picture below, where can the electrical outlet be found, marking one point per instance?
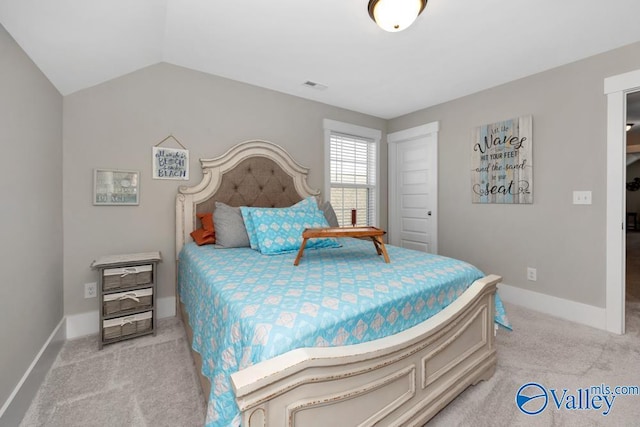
(90, 290)
(532, 274)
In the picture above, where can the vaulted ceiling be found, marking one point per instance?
(456, 47)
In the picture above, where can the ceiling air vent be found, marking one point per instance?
(315, 85)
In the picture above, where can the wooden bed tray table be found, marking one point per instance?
(372, 232)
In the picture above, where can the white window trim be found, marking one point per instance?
(354, 130)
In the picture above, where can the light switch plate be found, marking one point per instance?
(582, 197)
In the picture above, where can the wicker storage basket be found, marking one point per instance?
(126, 301)
(118, 278)
(124, 326)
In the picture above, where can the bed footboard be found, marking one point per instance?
(404, 379)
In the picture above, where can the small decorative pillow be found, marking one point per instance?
(308, 203)
(329, 214)
(248, 224)
(202, 237)
(205, 235)
(280, 230)
(229, 226)
(206, 219)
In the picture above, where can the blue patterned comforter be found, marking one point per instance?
(245, 307)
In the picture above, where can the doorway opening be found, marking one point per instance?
(616, 88)
(632, 202)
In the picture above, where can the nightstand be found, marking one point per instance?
(127, 292)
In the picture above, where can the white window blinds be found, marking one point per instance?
(352, 174)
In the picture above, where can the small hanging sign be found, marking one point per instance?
(501, 161)
(170, 163)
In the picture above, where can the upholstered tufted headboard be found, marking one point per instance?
(256, 181)
(253, 173)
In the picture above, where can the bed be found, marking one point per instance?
(358, 376)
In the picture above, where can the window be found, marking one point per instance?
(351, 171)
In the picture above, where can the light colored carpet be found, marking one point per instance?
(151, 381)
(558, 355)
(148, 381)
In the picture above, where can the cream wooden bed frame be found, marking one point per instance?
(400, 380)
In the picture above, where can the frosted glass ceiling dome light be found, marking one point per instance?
(395, 15)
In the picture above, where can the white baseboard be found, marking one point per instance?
(18, 402)
(166, 307)
(79, 325)
(558, 307)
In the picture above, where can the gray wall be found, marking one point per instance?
(31, 292)
(115, 124)
(565, 242)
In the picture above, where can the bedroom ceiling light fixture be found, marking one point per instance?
(395, 15)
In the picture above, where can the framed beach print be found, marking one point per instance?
(114, 187)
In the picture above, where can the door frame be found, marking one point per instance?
(616, 88)
(393, 139)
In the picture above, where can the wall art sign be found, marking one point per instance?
(170, 163)
(501, 162)
(116, 187)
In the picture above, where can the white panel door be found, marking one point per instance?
(413, 189)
